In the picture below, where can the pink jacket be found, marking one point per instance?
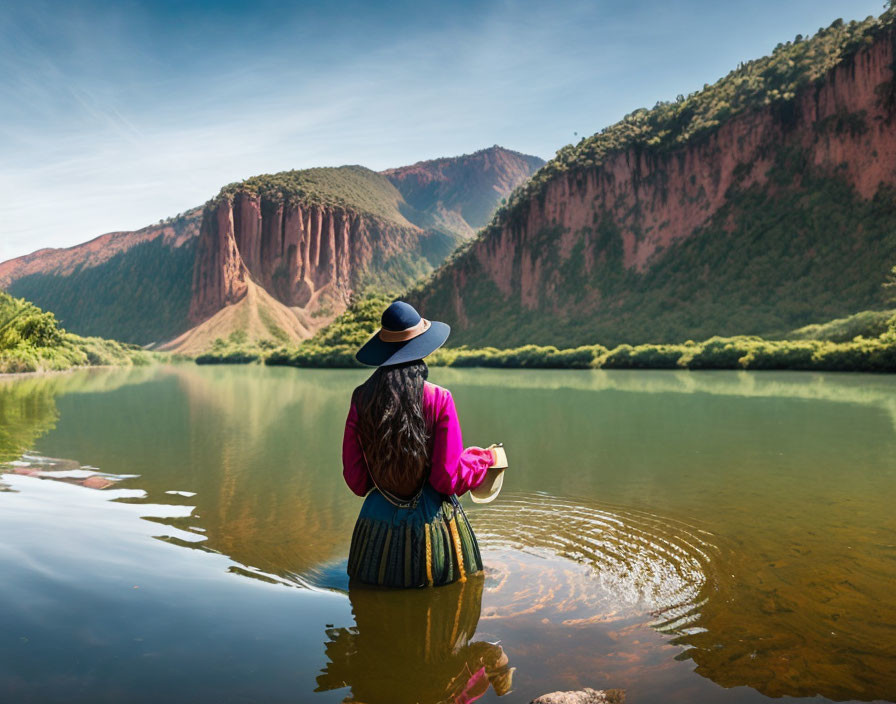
(455, 470)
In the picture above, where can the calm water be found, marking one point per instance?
(180, 534)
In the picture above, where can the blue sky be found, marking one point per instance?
(116, 114)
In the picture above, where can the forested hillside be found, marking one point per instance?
(762, 203)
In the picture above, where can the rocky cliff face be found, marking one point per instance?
(308, 257)
(311, 239)
(588, 254)
(274, 257)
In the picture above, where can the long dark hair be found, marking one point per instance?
(392, 426)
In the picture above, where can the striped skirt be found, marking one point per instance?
(429, 545)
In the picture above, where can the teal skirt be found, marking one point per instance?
(429, 544)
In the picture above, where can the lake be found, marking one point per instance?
(180, 533)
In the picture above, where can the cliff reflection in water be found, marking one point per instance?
(415, 645)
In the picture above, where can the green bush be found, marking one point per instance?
(780, 355)
(717, 353)
(313, 356)
(868, 323)
(529, 356)
(229, 357)
(644, 357)
(31, 340)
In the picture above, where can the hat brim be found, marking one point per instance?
(490, 488)
(377, 353)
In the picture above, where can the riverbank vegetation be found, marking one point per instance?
(868, 323)
(863, 342)
(31, 340)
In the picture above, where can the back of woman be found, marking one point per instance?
(403, 451)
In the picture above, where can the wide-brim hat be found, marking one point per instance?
(404, 336)
(490, 487)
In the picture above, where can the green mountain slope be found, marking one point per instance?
(354, 188)
(141, 295)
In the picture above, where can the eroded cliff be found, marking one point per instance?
(779, 216)
(271, 258)
(310, 257)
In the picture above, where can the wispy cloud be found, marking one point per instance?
(115, 115)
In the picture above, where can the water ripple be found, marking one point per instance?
(592, 561)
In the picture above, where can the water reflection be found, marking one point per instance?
(62, 470)
(415, 645)
(28, 403)
(747, 518)
(877, 390)
(26, 413)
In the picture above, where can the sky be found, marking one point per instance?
(114, 115)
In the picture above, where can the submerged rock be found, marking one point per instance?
(583, 696)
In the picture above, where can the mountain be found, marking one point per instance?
(294, 246)
(459, 194)
(759, 204)
(131, 286)
(275, 256)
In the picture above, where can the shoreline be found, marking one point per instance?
(748, 353)
(10, 376)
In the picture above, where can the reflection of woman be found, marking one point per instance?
(403, 450)
(415, 647)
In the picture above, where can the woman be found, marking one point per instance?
(402, 449)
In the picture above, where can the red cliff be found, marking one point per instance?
(273, 257)
(547, 258)
(310, 257)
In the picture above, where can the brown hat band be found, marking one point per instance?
(406, 334)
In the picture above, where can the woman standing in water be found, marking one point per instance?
(402, 449)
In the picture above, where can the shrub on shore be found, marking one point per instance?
(314, 356)
(868, 323)
(31, 340)
(526, 357)
(862, 354)
(819, 347)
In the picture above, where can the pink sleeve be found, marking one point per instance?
(455, 470)
(354, 468)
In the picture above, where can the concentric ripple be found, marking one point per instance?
(589, 562)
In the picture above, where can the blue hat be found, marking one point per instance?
(403, 337)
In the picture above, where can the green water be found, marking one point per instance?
(717, 537)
